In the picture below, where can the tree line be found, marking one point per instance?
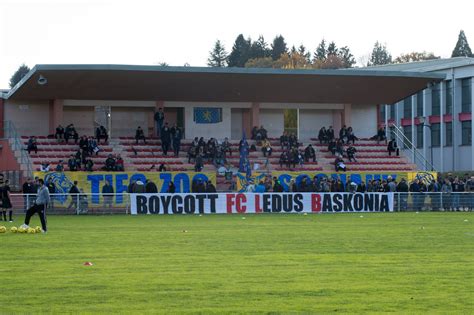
(260, 54)
(277, 54)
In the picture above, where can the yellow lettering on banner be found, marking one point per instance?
(92, 183)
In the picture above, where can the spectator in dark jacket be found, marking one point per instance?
(171, 188)
(139, 135)
(107, 193)
(159, 119)
(393, 147)
(210, 188)
(150, 187)
(74, 193)
(165, 138)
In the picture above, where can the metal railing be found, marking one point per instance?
(16, 144)
(406, 143)
(80, 204)
(76, 203)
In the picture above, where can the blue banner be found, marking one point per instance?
(207, 115)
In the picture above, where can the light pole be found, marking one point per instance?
(422, 121)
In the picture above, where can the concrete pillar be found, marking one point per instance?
(414, 132)
(2, 117)
(255, 115)
(442, 105)
(56, 114)
(426, 131)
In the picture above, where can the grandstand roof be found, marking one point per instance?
(130, 82)
(425, 65)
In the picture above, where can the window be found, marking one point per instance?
(407, 107)
(435, 101)
(419, 136)
(435, 135)
(466, 127)
(449, 135)
(419, 104)
(466, 95)
(392, 111)
(449, 97)
(407, 133)
(382, 112)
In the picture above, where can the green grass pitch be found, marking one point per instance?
(381, 262)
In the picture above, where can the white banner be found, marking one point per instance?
(228, 203)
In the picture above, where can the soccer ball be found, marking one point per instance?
(38, 229)
(31, 231)
(2, 229)
(13, 229)
(21, 230)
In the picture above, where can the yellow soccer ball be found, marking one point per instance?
(13, 229)
(3, 229)
(21, 230)
(38, 229)
(31, 231)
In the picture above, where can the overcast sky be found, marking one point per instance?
(179, 32)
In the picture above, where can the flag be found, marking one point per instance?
(244, 163)
(207, 115)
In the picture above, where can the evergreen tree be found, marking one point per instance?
(321, 52)
(346, 57)
(240, 52)
(303, 52)
(218, 56)
(259, 49)
(293, 50)
(462, 48)
(278, 47)
(380, 55)
(18, 75)
(332, 49)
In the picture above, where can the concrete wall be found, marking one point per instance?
(311, 120)
(364, 120)
(273, 121)
(81, 117)
(218, 130)
(125, 121)
(30, 118)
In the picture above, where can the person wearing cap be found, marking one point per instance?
(40, 204)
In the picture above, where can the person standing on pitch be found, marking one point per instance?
(6, 203)
(40, 205)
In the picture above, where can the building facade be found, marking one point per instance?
(438, 119)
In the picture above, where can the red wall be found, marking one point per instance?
(8, 161)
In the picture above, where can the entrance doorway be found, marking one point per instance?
(290, 119)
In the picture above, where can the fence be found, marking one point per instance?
(120, 203)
